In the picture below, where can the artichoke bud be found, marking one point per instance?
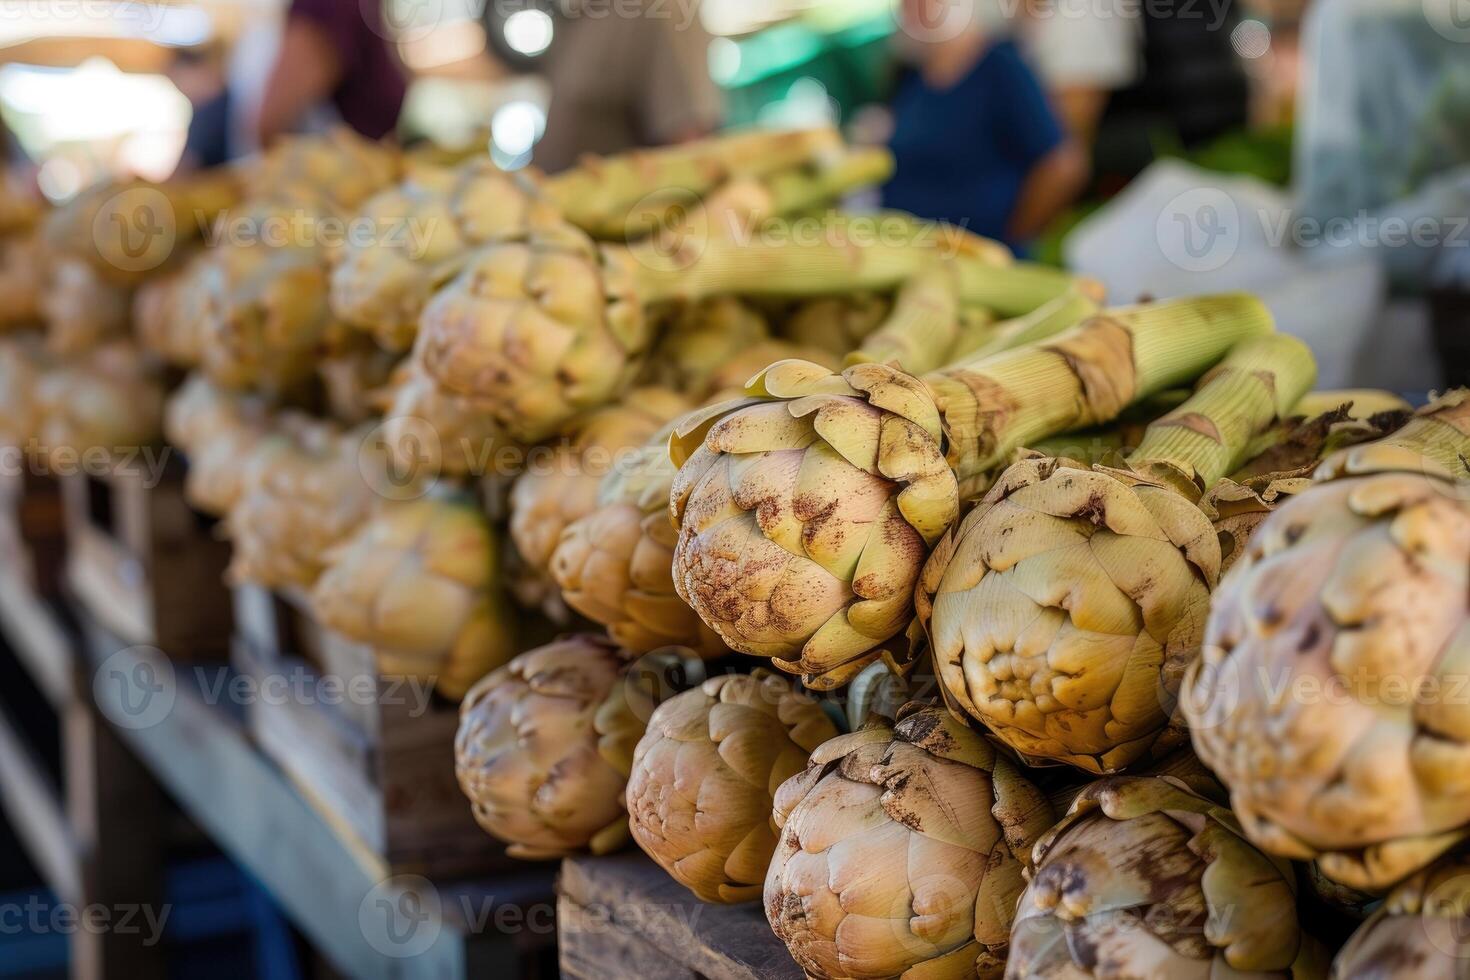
(705, 774)
(1419, 932)
(546, 743)
(1147, 877)
(418, 583)
(537, 332)
(901, 849)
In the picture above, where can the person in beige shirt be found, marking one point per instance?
(627, 73)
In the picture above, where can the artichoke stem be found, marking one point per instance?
(1046, 321)
(1086, 376)
(922, 328)
(1210, 434)
(850, 258)
(604, 195)
(804, 188)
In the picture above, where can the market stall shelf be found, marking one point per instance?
(622, 917)
(32, 529)
(374, 753)
(144, 563)
(365, 922)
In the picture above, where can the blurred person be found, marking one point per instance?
(333, 52)
(624, 75)
(976, 141)
(199, 75)
(1083, 51)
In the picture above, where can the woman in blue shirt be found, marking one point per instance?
(976, 142)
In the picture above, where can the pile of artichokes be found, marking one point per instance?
(1102, 645)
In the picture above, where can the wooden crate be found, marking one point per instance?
(376, 759)
(622, 918)
(32, 530)
(146, 565)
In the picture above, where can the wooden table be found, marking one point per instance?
(96, 838)
(622, 918)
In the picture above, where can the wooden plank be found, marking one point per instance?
(628, 893)
(34, 808)
(601, 952)
(35, 632)
(252, 811)
(116, 814)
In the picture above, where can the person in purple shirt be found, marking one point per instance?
(975, 140)
(337, 51)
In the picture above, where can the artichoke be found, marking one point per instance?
(1143, 878)
(422, 230)
(22, 277)
(431, 431)
(1329, 697)
(703, 339)
(1418, 933)
(82, 309)
(109, 400)
(425, 227)
(353, 378)
(264, 319)
(1065, 607)
(561, 487)
(836, 324)
(303, 494)
(706, 773)
(807, 510)
(418, 584)
(166, 314)
(218, 431)
(334, 172)
(538, 332)
(127, 232)
(545, 745)
(901, 852)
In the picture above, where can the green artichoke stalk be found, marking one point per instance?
(901, 852)
(1063, 610)
(1145, 879)
(1330, 696)
(807, 510)
(537, 332)
(1418, 933)
(706, 773)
